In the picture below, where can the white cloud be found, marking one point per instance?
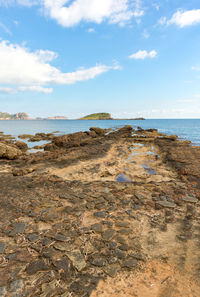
(70, 13)
(7, 90)
(183, 18)
(91, 30)
(145, 34)
(32, 71)
(36, 89)
(195, 68)
(5, 28)
(143, 55)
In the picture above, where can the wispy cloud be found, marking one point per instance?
(16, 62)
(182, 18)
(142, 54)
(5, 28)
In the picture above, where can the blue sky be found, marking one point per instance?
(74, 57)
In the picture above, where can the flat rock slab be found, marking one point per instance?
(35, 266)
(18, 229)
(166, 204)
(77, 259)
(2, 247)
(190, 199)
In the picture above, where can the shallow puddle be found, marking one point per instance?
(34, 151)
(148, 169)
(123, 178)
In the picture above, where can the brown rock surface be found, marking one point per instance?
(69, 229)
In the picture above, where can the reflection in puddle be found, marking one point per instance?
(34, 151)
(136, 144)
(151, 153)
(123, 178)
(148, 169)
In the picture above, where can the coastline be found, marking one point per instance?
(98, 208)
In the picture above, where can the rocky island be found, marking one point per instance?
(17, 116)
(100, 213)
(97, 116)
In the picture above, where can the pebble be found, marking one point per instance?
(190, 199)
(166, 204)
(77, 259)
(112, 270)
(100, 214)
(108, 234)
(130, 263)
(2, 247)
(97, 228)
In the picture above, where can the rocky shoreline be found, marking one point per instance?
(100, 213)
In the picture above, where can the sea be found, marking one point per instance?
(184, 128)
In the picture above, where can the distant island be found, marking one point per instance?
(105, 116)
(17, 116)
(57, 118)
(97, 116)
(93, 116)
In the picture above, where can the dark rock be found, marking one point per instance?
(35, 266)
(97, 228)
(125, 231)
(62, 264)
(119, 254)
(130, 263)
(108, 234)
(2, 247)
(112, 270)
(98, 261)
(166, 204)
(18, 229)
(100, 214)
(33, 237)
(122, 224)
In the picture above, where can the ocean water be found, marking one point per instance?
(184, 128)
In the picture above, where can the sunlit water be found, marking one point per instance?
(185, 129)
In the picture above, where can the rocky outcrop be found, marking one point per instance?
(21, 145)
(9, 152)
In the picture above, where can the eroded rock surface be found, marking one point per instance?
(69, 228)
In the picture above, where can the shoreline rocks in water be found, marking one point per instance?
(69, 228)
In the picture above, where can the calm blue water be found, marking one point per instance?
(186, 129)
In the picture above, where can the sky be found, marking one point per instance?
(131, 58)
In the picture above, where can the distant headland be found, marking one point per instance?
(93, 116)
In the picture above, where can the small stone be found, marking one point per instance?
(62, 264)
(63, 246)
(16, 285)
(108, 234)
(36, 266)
(98, 261)
(2, 247)
(120, 239)
(97, 228)
(166, 204)
(112, 270)
(125, 231)
(3, 291)
(123, 247)
(119, 254)
(18, 229)
(77, 259)
(33, 237)
(100, 214)
(122, 224)
(46, 241)
(190, 199)
(130, 263)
